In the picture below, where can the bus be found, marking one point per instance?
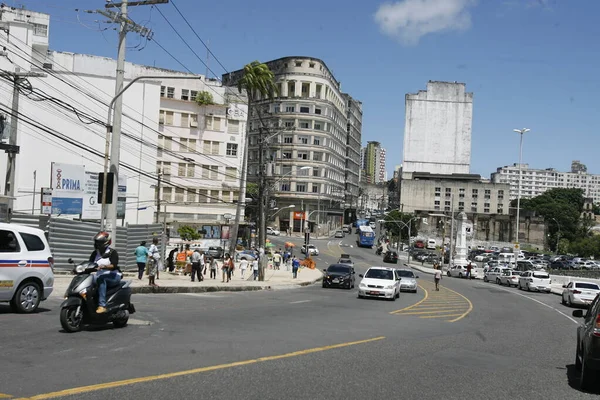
(366, 236)
(361, 222)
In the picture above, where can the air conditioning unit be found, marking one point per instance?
(194, 124)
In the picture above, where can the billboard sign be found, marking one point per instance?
(122, 197)
(46, 201)
(68, 185)
(91, 208)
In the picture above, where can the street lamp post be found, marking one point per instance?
(557, 234)
(282, 208)
(114, 143)
(521, 132)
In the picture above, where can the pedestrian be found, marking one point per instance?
(188, 257)
(196, 271)
(469, 268)
(243, 266)
(295, 266)
(227, 267)
(288, 264)
(213, 268)
(437, 277)
(203, 264)
(181, 261)
(276, 260)
(255, 268)
(152, 263)
(141, 256)
(171, 260)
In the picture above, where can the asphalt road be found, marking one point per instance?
(305, 343)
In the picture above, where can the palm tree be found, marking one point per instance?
(258, 82)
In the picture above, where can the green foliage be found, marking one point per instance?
(258, 80)
(393, 195)
(252, 190)
(204, 98)
(561, 208)
(395, 228)
(585, 247)
(188, 233)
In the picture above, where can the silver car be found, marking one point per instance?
(408, 280)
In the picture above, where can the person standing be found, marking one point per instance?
(227, 267)
(171, 260)
(195, 259)
(437, 277)
(141, 256)
(255, 268)
(469, 269)
(277, 260)
(153, 262)
(295, 266)
(213, 268)
(243, 266)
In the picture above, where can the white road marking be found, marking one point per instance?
(540, 302)
(204, 295)
(300, 301)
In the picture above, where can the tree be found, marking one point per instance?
(259, 82)
(394, 227)
(188, 233)
(204, 98)
(585, 247)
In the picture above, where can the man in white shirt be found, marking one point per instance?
(255, 268)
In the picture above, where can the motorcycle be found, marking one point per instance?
(378, 251)
(81, 301)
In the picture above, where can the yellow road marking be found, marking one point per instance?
(440, 316)
(414, 305)
(5, 396)
(430, 311)
(127, 382)
(466, 312)
(434, 307)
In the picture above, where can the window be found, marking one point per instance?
(285, 187)
(289, 109)
(233, 126)
(181, 169)
(298, 63)
(185, 120)
(287, 155)
(316, 188)
(304, 109)
(193, 94)
(215, 148)
(166, 193)
(213, 123)
(302, 172)
(311, 65)
(300, 187)
(206, 171)
(214, 172)
(486, 210)
(317, 141)
(304, 125)
(316, 172)
(191, 144)
(475, 192)
(289, 139)
(226, 196)
(185, 94)
(448, 190)
(191, 170)
(232, 149)
(302, 155)
(317, 156)
(446, 203)
(165, 117)
(40, 30)
(318, 111)
(230, 174)
(277, 108)
(179, 194)
(438, 189)
(461, 204)
(211, 147)
(436, 202)
(203, 196)
(162, 91)
(318, 126)
(303, 139)
(289, 124)
(461, 192)
(170, 92)
(32, 242)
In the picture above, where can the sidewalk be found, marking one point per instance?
(173, 283)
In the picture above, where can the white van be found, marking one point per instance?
(535, 280)
(431, 244)
(26, 267)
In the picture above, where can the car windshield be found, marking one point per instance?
(380, 274)
(585, 285)
(406, 274)
(338, 269)
(345, 261)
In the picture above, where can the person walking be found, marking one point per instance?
(196, 269)
(171, 259)
(276, 260)
(255, 268)
(295, 266)
(437, 277)
(243, 266)
(141, 256)
(227, 267)
(469, 269)
(214, 265)
(153, 262)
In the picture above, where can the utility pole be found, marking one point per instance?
(109, 214)
(157, 201)
(12, 148)
(262, 223)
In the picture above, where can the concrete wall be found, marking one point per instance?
(437, 132)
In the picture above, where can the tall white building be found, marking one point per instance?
(437, 130)
(536, 181)
(197, 148)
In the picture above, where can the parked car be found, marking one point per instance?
(390, 257)
(381, 282)
(26, 268)
(494, 274)
(272, 231)
(535, 280)
(216, 252)
(339, 234)
(408, 280)
(457, 271)
(340, 275)
(312, 250)
(248, 255)
(346, 229)
(510, 277)
(587, 353)
(579, 293)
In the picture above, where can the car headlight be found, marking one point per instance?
(389, 287)
(362, 286)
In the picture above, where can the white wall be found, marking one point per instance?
(437, 132)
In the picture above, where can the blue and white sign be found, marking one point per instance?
(68, 186)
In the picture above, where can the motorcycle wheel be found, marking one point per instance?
(69, 320)
(121, 322)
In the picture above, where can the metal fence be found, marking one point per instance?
(73, 239)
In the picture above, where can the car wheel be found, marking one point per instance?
(528, 287)
(27, 298)
(361, 296)
(448, 273)
(485, 278)
(460, 274)
(398, 295)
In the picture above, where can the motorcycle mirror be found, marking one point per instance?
(70, 261)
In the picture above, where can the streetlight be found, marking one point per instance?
(557, 234)
(520, 132)
(450, 257)
(114, 142)
(402, 224)
(279, 209)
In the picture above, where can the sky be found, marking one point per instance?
(530, 63)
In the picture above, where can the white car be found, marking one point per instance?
(510, 277)
(312, 250)
(494, 274)
(272, 231)
(26, 267)
(535, 280)
(579, 293)
(457, 271)
(381, 282)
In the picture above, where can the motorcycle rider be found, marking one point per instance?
(108, 273)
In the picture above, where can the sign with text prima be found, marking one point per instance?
(68, 185)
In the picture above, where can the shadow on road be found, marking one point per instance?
(6, 309)
(573, 377)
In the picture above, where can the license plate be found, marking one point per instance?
(336, 281)
(373, 292)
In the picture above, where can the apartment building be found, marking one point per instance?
(314, 145)
(373, 162)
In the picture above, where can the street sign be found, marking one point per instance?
(227, 216)
(46, 201)
(516, 246)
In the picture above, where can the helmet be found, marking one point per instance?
(102, 240)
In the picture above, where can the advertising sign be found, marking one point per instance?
(225, 231)
(68, 183)
(212, 231)
(91, 208)
(122, 197)
(46, 201)
(237, 111)
(299, 215)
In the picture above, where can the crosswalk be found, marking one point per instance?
(445, 304)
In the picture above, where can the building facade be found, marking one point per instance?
(196, 150)
(373, 163)
(315, 132)
(534, 182)
(437, 130)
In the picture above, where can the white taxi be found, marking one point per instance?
(579, 293)
(26, 267)
(380, 282)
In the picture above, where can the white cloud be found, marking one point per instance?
(409, 20)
